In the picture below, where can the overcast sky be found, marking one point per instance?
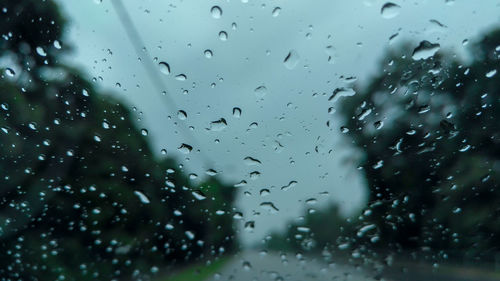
(291, 140)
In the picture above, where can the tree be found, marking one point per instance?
(427, 128)
(83, 196)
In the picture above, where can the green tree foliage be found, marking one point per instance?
(429, 136)
(82, 195)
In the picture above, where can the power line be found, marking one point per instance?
(152, 72)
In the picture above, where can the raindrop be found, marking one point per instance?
(185, 148)
(425, 50)
(216, 12)
(208, 54)
(264, 192)
(390, 10)
(254, 175)
(144, 132)
(241, 183)
(223, 36)
(289, 185)
(491, 73)
(211, 172)
(10, 72)
(247, 266)
(249, 226)
(251, 161)
(40, 51)
(218, 125)
(105, 125)
(291, 60)
(269, 206)
(237, 112)
(199, 195)
(144, 199)
(182, 115)
(260, 91)
(57, 44)
(276, 11)
(189, 234)
(181, 77)
(85, 92)
(164, 67)
(341, 92)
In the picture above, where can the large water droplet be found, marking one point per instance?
(199, 195)
(181, 77)
(237, 112)
(10, 72)
(164, 68)
(491, 73)
(250, 161)
(182, 115)
(425, 50)
(223, 36)
(291, 60)
(270, 207)
(40, 51)
(144, 132)
(144, 199)
(216, 12)
(390, 10)
(276, 11)
(208, 54)
(341, 92)
(218, 125)
(260, 91)
(185, 148)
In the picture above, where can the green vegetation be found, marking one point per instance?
(83, 197)
(427, 130)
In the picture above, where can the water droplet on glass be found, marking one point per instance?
(185, 148)
(144, 199)
(199, 195)
(276, 11)
(264, 192)
(260, 91)
(223, 36)
(341, 92)
(211, 172)
(182, 115)
(291, 60)
(216, 12)
(491, 73)
(269, 206)
(40, 51)
(237, 112)
(251, 161)
(247, 266)
(425, 50)
(57, 44)
(85, 92)
(10, 72)
(218, 125)
(208, 54)
(144, 132)
(249, 226)
(164, 67)
(390, 10)
(181, 77)
(289, 185)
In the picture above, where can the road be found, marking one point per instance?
(253, 266)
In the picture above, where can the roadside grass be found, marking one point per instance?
(197, 272)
